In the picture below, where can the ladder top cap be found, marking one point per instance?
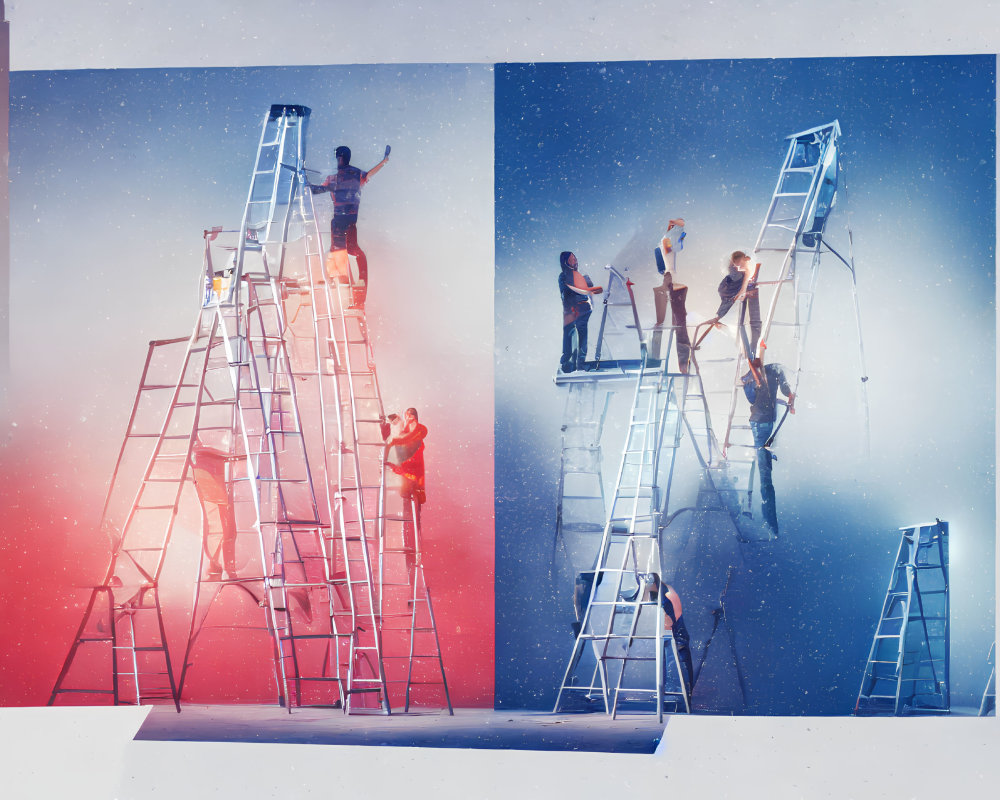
(278, 109)
(938, 522)
(835, 125)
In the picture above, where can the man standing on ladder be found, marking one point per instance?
(763, 413)
(575, 289)
(345, 190)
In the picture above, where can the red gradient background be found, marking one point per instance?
(105, 256)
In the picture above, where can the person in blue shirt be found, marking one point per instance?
(763, 413)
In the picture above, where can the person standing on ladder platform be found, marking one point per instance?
(739, 286)
(345, 190)
(409, 444)
(208, 467)
(575, 289)
(676, 293)
(763, 413)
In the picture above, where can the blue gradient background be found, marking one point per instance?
(595, 158)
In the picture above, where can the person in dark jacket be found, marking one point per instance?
(576, 290)
(763, 413)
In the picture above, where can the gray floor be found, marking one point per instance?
(468, 728)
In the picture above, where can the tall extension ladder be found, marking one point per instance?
(630, 545)
(788, 249)
(339, 366)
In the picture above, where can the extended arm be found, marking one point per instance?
(325, 186)
(786, 390)
(418, 433)
(747, 276)
(378, 166)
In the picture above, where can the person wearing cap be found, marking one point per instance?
(345, 190)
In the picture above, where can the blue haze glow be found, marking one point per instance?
(595, 158)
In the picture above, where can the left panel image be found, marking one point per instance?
(248, 456)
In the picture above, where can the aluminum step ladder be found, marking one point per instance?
(788, 249)
(340, 364)
(907, 672)
(630, 544)
(120, 652)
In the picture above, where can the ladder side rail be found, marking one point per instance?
(194, 629)
(334, 496)
(283, 361)
(943, 561)
(150, 465)
(440, 658)
(658, 664)
(251, 461)
(685, 689)
(282, 124)
(330, 489)
(789, 259)
(358, 475)
(128, 434)
(663, 501)
(984, 704)
(369, 611)
(910, 568)
(278, 366)
(886, 603)
(661, 427)
(68, 661)
(419, 578)
(923, 623)
(174, 688)
(289, 197)
(616, 277)
(604, 320)
(789, 153)
(631, 633)
(712, 441)
(192, 435)
(118, 463)
(380, 530)
(237, 280)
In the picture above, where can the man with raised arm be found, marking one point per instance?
(345, 190)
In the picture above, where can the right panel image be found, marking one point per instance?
(745, 386)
